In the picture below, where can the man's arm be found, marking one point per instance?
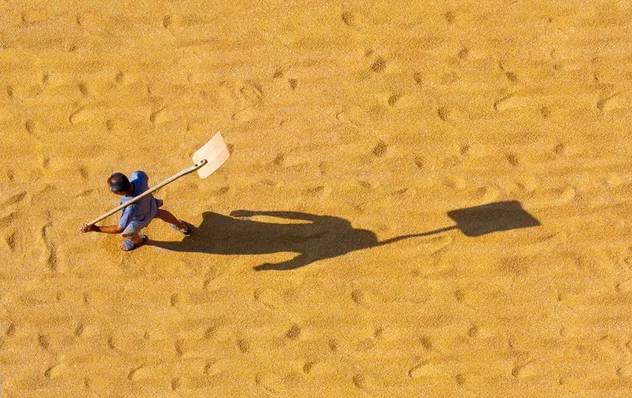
(107, 229)
(113, 229)
(110, 229)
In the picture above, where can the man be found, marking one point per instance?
(138, 215)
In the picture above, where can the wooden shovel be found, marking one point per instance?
(206, 161)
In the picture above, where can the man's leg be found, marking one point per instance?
(167, 217)
(134, 238)
(132, 233)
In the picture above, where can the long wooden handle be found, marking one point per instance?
(149, 191)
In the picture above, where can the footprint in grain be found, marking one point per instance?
(511, 77)
(252, 92)
(423, 369)
(54, 371)
(444, 113)
(293, 333)
(625, 286)
(348, 18)
(379, 65)
(418, 78)
(245, 115)
(361, 297)
(545, 111)
(523, 370)
(269, 382)
(269, 298)
(364, 382)
(79, 330)
(132, 374)
(380, 149)
(83, 88)
(392, 100)
(178, 346)
(43, 341)
(11, 240)
(243, 345)
(603, 103)
(279, 159)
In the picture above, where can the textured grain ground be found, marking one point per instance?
(368, 121)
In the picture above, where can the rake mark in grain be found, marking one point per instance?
(252, 92)
(601, 104)
(155, 114)
(15, 199)
(420, 370)
(130, 375)
(71, 117)
(52, 259)
(48, 371)
(517, 370)
(501, 100)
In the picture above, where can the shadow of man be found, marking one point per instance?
(319, 238)
(322, 237)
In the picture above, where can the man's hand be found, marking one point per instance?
(88, 228)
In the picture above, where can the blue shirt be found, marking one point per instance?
(142, 211)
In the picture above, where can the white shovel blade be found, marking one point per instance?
(215, 152)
